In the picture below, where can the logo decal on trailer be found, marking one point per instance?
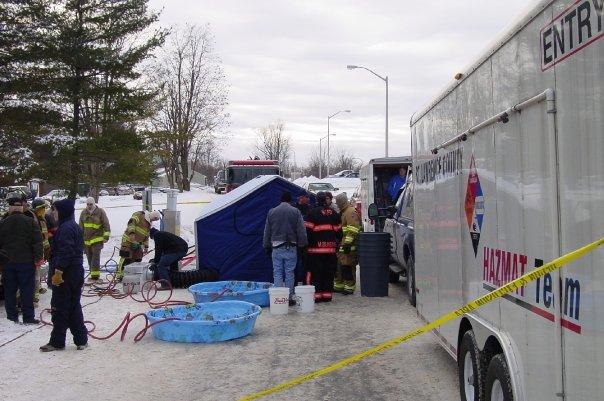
(474, 205)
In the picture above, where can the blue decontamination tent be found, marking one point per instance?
(228, 233)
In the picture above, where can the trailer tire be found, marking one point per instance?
(498, 381)
(411, 292)
(469, 369)
(393, 277)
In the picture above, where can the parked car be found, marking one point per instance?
(400, 227)
(138, 195)
(341, 174)
(124, 190)
(56, 194)
(28, 192)
(103, 192)
(315, 187)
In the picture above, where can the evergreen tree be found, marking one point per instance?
(88, 55)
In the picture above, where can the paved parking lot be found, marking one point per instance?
(280, 348)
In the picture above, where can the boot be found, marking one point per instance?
(49, 348)
(348, 289)
(327, 296)
(338, 287)
(82, 347)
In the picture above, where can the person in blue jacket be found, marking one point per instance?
(396, 183)
(67, 272)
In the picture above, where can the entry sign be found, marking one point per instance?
(578, 26)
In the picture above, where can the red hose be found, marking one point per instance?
(109, 290)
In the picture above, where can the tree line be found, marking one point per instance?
(96, 91)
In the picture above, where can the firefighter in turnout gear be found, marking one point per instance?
(345, 280)
(324, 232)
(135, 241)
(95, 224)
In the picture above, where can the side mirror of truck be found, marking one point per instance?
(373, 212)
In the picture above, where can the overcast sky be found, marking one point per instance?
(286, 60)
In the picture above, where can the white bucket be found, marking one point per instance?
(305, 298)
(279, 299)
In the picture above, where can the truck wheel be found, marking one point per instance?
(498, 384)
(411, 280)
(469, 369)
(393, 277)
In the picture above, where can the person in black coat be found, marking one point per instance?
(169, 249)
(21, 247)
(67, 271)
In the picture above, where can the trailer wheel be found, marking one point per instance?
(498, 384)
(469, 369)
(411, 280)
(393, 277)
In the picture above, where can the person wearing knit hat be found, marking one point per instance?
(135, 241)
(21, 247)
(345, 279)
(95, 225)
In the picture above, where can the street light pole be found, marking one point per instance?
(321, 153)
(328, 135)
(385, 79)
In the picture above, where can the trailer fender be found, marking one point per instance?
(486, 332)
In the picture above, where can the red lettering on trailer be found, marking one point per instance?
(501, 266)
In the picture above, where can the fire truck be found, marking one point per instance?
(239, 172)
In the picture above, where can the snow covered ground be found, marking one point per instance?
(119, 209)
(280, 348)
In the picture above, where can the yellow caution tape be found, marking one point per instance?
(180, 203)
(477, 303)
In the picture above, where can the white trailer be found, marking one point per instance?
(375, 177)
(508, 168)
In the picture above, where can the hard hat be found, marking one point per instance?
(38, 203)
(155, 215)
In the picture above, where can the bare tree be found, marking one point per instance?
(273, 143)
(341, 159)
(190, 112)
(316, 159)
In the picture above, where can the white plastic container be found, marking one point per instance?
(279, 299)
(131, 283)
(305, 298)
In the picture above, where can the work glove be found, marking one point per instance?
(345, 248)
(135, 246)
(57, 278)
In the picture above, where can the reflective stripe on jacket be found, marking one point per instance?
(351, 227)
(137, 231)
(95, 225)
(324, 230)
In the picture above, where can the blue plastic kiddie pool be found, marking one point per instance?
(249, 291)
(205, 323)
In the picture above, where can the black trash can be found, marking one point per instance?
(374, 260)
